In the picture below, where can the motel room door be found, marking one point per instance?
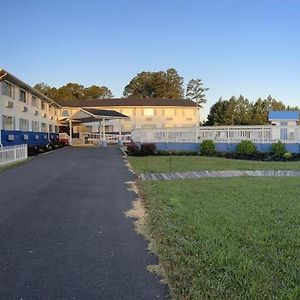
(283, 133)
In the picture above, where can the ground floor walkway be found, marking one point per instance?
(64, 234)
(224, 174)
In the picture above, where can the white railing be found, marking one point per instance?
(13, 154)
(109, 138)
(228, 134)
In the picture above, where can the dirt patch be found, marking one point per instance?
(128, 165)
(137, 211)
(139, 214)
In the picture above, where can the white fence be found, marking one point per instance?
(13, 154)
(227, 134)
(109, 138)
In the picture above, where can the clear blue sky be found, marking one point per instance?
(235, 46)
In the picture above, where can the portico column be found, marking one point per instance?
(120, 131)
(100, 131)
(103, 128)
(71, 132)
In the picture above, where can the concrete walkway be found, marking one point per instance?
(63, 232)
(212, 174)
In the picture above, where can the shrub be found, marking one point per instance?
(246, 148)
(208, 148)
(148, 149)
(287, 155)
(133, 149)
(278, 149)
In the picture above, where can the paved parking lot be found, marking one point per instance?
(63, 232)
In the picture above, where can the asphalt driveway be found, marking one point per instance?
(63, 232)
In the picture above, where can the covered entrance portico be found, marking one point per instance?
(89, 115)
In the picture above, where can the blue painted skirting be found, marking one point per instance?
(221, 147)
(11, 138)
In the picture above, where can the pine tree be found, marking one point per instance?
(196, 91)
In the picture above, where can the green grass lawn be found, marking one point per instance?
(194, 163)
(235, 238)
(12, 165)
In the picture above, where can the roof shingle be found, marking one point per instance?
(126, 102)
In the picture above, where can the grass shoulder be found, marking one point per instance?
(13, 165)
(150, 164)
(222, 239)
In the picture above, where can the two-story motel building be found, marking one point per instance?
(29, 117)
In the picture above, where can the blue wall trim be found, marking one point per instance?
(221, 147)
(13, 137)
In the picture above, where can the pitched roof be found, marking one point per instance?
(284, 115)
(4, 75)
(126, 102)
(104, 113)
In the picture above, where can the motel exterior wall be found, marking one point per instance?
(27, 120)
(142, 117)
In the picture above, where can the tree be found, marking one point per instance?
(70, 91)
(46, 90)
(242, 112)
(196, 91)
(97, 92)
(74, 91)
(173, 84)
(159, 84)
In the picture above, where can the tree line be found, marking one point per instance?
(74, 91)
(161, 84)
(169, 84)
(241, 111)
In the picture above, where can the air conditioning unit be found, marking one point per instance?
(9, 104)
(25, 109)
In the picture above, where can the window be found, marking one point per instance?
(50, 128)
(89, 128)
(65, 113)
(126, 128)
(189, 112)
(7, 89)
(34, 102)
(169, 112)
(43, 127)
(170, 125)
(23, 125)
(56, 129)
(8, 123)
(35, 126)
(149, 112)
(23, 96)
(43, 105)
(148, 126)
